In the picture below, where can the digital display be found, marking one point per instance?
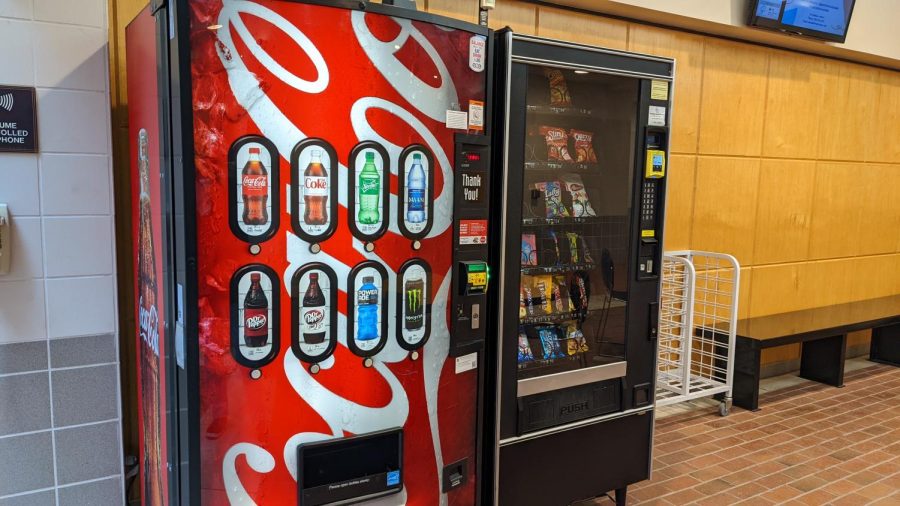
(823, 18)
(473, 157)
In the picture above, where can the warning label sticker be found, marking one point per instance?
(473, 231)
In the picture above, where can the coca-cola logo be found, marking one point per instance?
(313, 316)
(260, 181)
(256, 322)
(316, 183)
(149, 325)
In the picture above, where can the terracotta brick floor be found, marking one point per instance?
(810, 444)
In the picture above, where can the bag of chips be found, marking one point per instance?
(553, 204)
(575, 341)
(577, 196)
(529, 250)
(550, 342)
(557, 144)
(559, 284)
(544, 287)
(573, 247)
(559, 91)
(525, 354)
(584, 148)
(579, 290)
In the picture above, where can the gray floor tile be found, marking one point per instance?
(45, 498)
(22, 357)
(86, 453)
(106, 492)
(84, 395)
(24, 403)
(32, 467)
(74, 351)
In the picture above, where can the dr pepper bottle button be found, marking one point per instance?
(414, 355)
(255, 374)
(315, 248)
(314, 369)
(370, 247)
(368, 362)
(416, 245)
(255, 249)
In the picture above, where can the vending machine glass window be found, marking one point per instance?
(576, 208)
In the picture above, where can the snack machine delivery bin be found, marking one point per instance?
(311, 208)
(581, 146)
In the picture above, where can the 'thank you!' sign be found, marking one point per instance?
(18, 120)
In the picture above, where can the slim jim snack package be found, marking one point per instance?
(584, 149)
(525, 354)
(559, 90)
(557, 144)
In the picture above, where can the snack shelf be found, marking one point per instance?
(571, 166)
(557, 269)
(547, 363)
(554, 318)
(540, 222)
(560, 111)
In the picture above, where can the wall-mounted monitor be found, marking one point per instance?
(822, 19)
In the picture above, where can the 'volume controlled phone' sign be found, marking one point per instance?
(18, 121)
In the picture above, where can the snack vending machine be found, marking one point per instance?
(582, 140)
(311, 228)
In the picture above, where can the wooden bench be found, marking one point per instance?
(823, 334)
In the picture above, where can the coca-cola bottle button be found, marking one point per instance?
(368, 362)
(255, 374)
(255, 249)
(370, 247)
(314, 369)
(315, 248)
(414, 355)
(416, 245)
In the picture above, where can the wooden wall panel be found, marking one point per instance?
(886, 131)
(826, 282)
(793, 105)
(875, 276)
(879, 206)
(734, 93)
(725, 198)
(746, 285)
(851, 94)
(580, 27)
(784, 210)
(520, 16)
(688, 53)
(459, 9)
(679, 202)
(836, 211)
(776, 289)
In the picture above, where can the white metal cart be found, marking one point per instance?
(697, 323)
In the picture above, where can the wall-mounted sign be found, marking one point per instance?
(18, 120)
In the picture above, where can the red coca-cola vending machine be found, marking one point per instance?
(316, 215)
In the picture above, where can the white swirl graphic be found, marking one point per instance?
(431, 101)
(231, 16)
(258, 459)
